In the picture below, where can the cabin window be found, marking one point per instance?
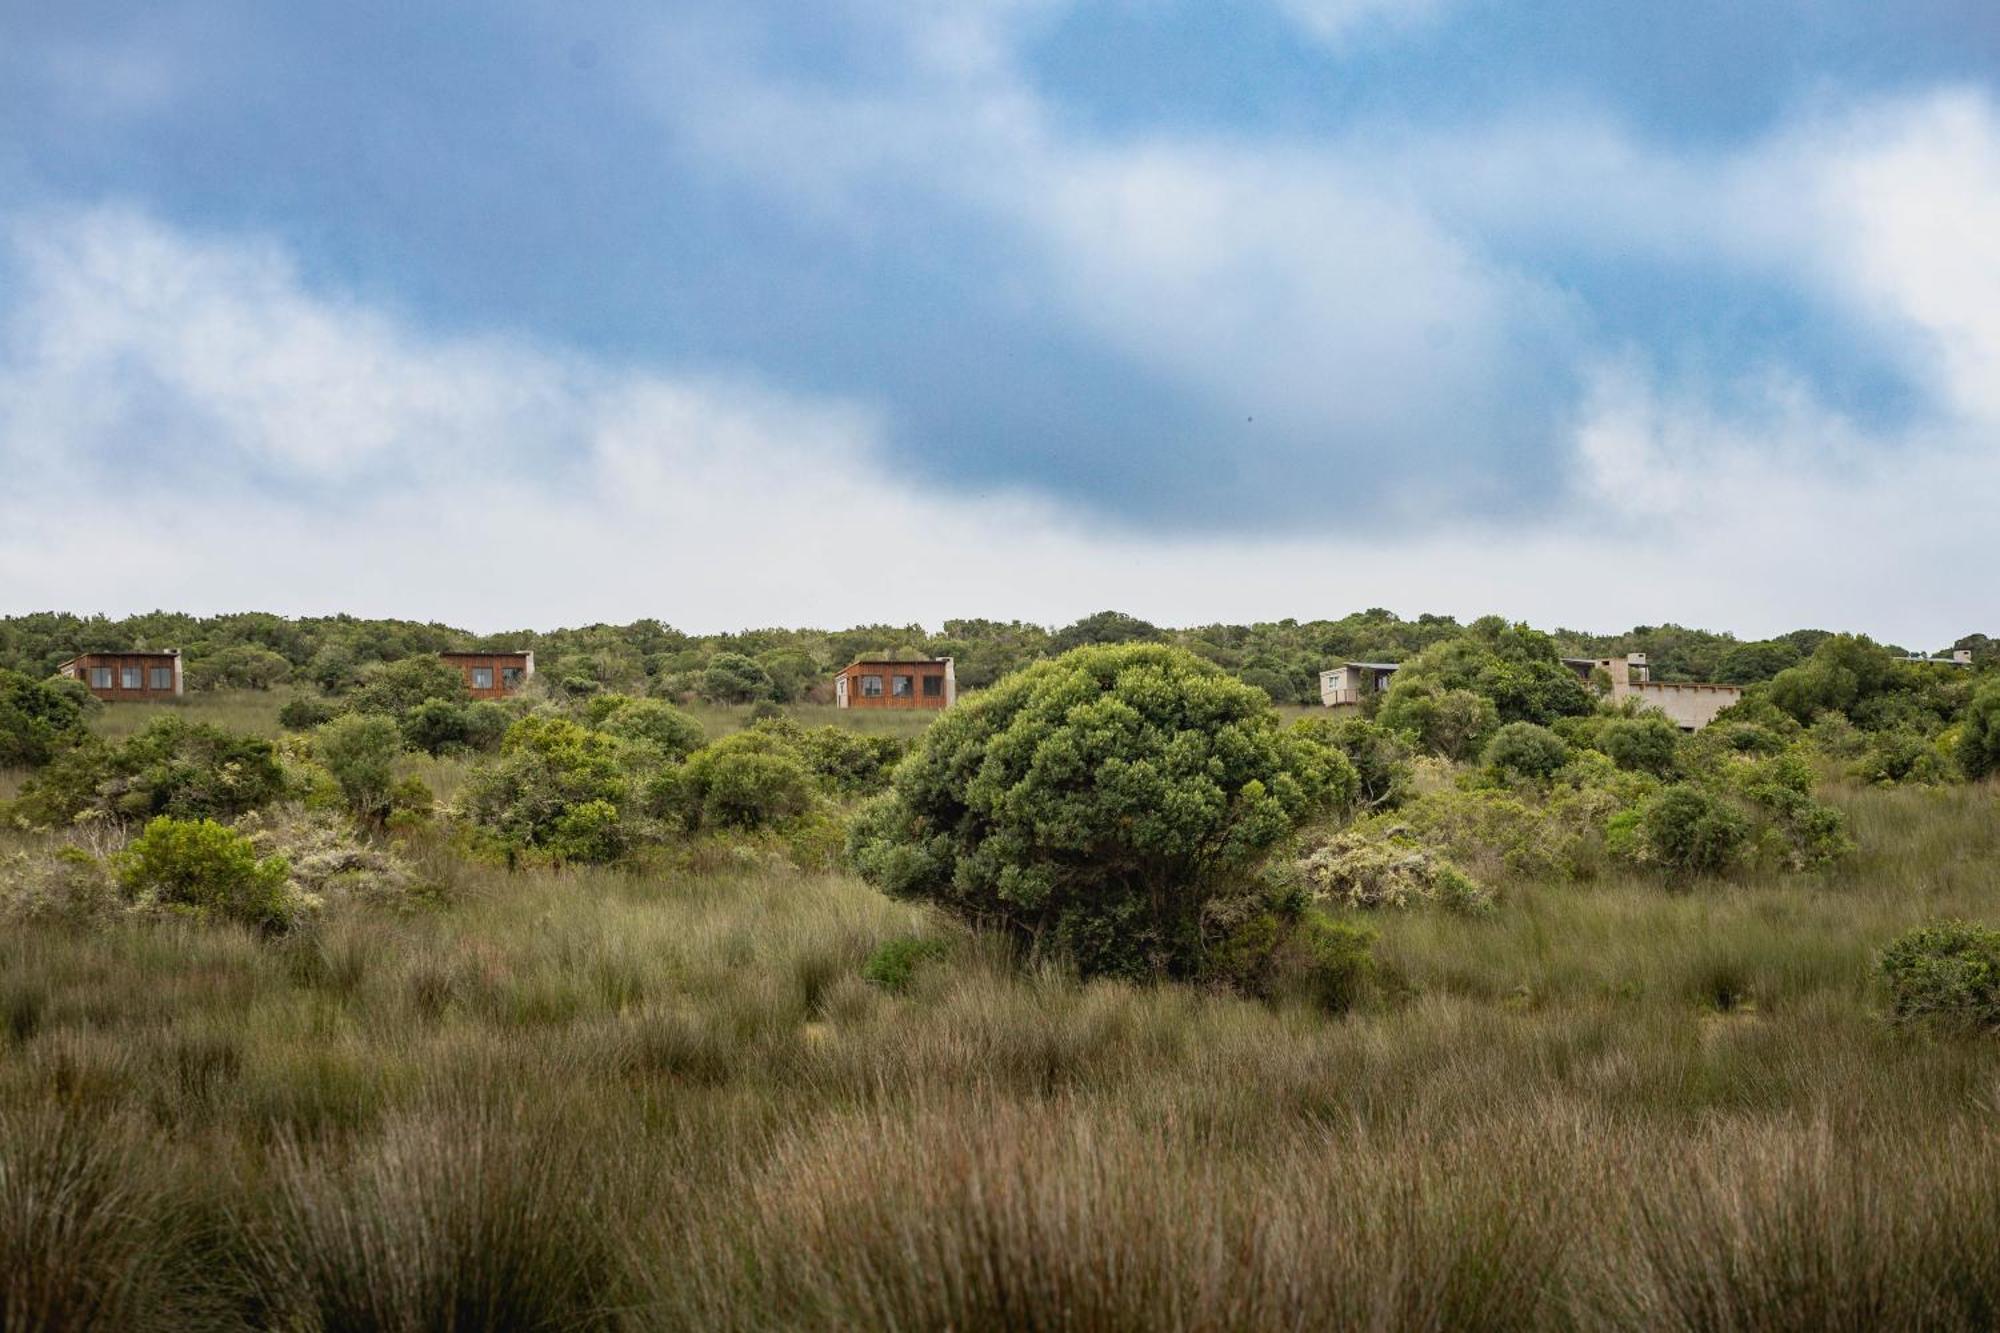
(903, 687)
(871, 687)
(163, 678)
(482, 678)
(510, 677)
(933, 686)
(129, 678)
(100, 678)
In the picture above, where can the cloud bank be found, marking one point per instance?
(186, 421)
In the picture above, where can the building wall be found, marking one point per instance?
(1689, 706)
(119, 664)
(1339, 687)
(497, 663)
(848, 690)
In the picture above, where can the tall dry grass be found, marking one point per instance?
(592, 1099)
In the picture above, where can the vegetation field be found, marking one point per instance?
(499, 1061)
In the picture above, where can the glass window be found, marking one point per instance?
(100, 678)
(482, 678)
(933, 686)
(129, 677)
(510, 676)
(903, 687)
(871, 687)
(163, 678)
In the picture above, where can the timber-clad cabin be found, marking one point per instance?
(128, 677)
(878, 683)
(492, 675)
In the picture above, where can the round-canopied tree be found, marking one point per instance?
(1096, 804)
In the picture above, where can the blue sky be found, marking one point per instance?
(1280, 307)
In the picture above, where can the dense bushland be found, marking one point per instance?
(340, 656)
(1561, 1021)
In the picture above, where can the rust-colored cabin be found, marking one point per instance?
(128, 677)
(883, 684)
(492, 675)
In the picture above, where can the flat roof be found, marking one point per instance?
(124, 652)
(487, 652)
(890, 661)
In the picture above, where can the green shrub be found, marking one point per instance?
(557, 788)
(40, 718)
(305, 712)
(1326, 962)
(1901, 757)
(1646, 744)
(1096, 805)
(207, 870)
(1381, 757)
(849, 763)
(394, 688)
(189, 770)
(1523, 750)
(1979, 733)
(753, 779)
(1948, 974)
(1453, 723)
(732, 678)
(1276, 949)
(361, 750)
(1688, 831)
(653, 721)
(894, 964)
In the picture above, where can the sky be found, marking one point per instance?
(735, 314)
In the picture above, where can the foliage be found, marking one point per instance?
(328, 862)
(1686, 831)
(1644, 744)
(40, 718)
(1388, 868)
(361, 750)
(894, 963)
(652, 721)
(1903, 756)
(207, 870)
(1449, 722)
(558, 788)
(1380, 757)
(847, 763)
(444, 726)
(1525, 751)
(732, 678)
(1515, 669)
(190, 770)
(68, 887)
(1979, 733)
(394, 688)
(1096, 804)
(306, 711)
(753, 779)
(1947, 973)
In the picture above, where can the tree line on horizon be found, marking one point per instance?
(262, 650)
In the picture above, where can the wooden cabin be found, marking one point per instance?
(130, 677)
(492, 675)
(876, 683)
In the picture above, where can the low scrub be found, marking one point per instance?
(1387, 869)
(1946, 974)
(207, 870)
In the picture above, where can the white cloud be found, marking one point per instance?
(501, 484)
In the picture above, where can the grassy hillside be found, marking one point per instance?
(670, 1100)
